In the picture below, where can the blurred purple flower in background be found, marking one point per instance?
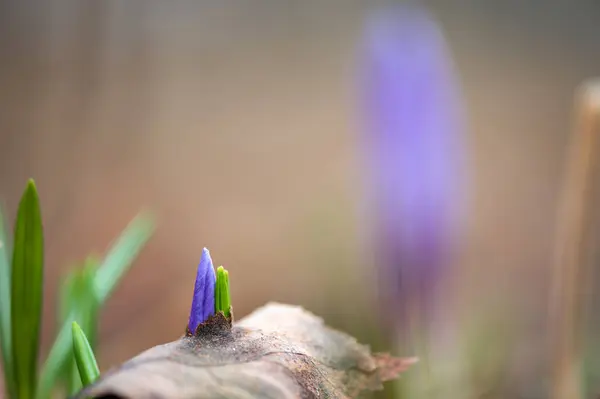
(203, 302)
(414, 139)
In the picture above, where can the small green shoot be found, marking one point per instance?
(222, 293)
(27, 277)
(84, 356)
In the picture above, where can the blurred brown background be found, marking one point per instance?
(235, 122)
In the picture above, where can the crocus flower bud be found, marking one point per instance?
(414, 146)
(203, 302)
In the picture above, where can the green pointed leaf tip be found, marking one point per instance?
(26, 292)
(84, 356)
(222, 295)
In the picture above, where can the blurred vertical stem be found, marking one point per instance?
(26, 292)
(573, 237)
(5, 333)
(111, 270)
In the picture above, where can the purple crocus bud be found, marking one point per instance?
(413, 130)
(203, 303)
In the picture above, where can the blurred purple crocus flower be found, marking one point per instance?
(414, 140)
(203, 302)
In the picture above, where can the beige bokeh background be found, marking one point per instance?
(234, 121)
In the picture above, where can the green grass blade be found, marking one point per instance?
(57, 359)
(5, 333)
(67, 285)
(84, 356)
(27, 277)
(227, 295)
(122, 254)
(90, 312)
(219, 290)
(65, 308)
(75, 384)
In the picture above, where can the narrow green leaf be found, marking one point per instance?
(65, 307)
(122, 254)
(82, 299)
(57, 358)
(91, 312)
(67, 286)
(222, 295)
(27, 277)
(227, 295)
(115, 264)
(5, 333)
(75, 383)
(84, 356)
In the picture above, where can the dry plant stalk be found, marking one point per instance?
(566, 314)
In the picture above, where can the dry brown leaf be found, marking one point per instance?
(279, 351)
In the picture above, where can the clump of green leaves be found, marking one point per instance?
(222, 293)
(83, 293)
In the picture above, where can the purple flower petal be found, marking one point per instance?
(415, 147)
(203, 302)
